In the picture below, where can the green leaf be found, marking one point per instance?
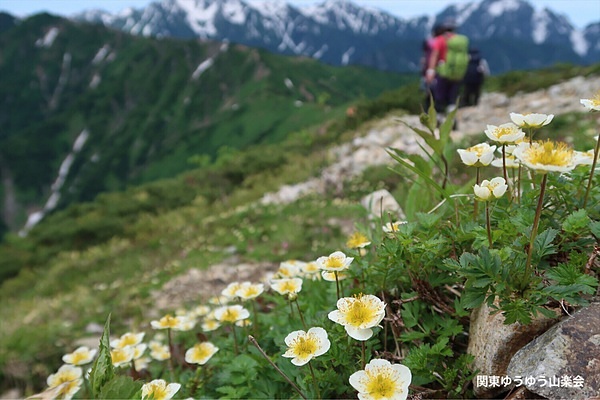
(446, 128)
(576, 222)
(120, 387)
(595, 228)
(473, 298)
(543, 243)
(102, 370)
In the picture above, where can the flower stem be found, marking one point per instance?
(589, 185)
(266, 357)
(337, 284)
(489, 225)
(504, 162)
(536, 222)
(475, 206)
(315, 383)
(170, 352)
(300, 313)
(362, 354)
(235, 343)
(254, 316)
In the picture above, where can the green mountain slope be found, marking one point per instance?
(146, 106)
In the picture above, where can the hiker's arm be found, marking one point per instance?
(430, 74)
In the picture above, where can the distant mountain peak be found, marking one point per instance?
(340, 32)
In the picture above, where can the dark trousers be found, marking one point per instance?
(445, 93)
(471, 94)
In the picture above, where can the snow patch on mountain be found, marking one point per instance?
(54, 197)
(48, 38)
(201, 20)
(500, 7)
(540, 23)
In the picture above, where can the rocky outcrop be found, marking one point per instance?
(564, 362)
(494, 343)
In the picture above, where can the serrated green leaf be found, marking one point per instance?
(102, 370)
(595, 228)
(473, 298)
(576, 222)
(543, 243)
(120, 387)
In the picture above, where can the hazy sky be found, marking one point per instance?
(579, 12)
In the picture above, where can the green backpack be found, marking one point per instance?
(457, 58)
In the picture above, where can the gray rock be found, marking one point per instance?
(569, 352)
(380, 203)
(493, 344)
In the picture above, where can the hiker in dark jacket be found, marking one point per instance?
(477, 71)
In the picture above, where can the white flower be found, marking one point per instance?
(546, 157)
(230, 290)
(290, 269)
(200, 353)
(67, 379)
(592, 104)
(290, 286)
(336, 261)
(382, 380)
(505, 133)
(584, 157)
(304, 346)
(391, 227)
(511, 162)
(81, 356)
(122, 356)
(231, 314)
(490, 189)
(127, 339)
(249, 290)
(533, 121)
(358, 315)
(480, 155)
(158, 389)
(159, 351)
(329, 276)
(178, 323)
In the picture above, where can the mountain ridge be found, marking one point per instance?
(340, 32)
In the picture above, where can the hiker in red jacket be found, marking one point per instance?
(424, 62)
(447, 66)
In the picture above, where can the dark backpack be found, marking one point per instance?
(457, 58)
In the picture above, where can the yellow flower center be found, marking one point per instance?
(303, 346)
(503, 132)
(596, 100)
(157, 392)
(169, 321)
(78, 357)
(201, 351)
(356, 240)
(128, 340)
(334, 262)
(288, 287)
(119, 356)
(359, 312)
(381, 385)
(250, 291)
(478, 149)
(549, 153)
(231, 315)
